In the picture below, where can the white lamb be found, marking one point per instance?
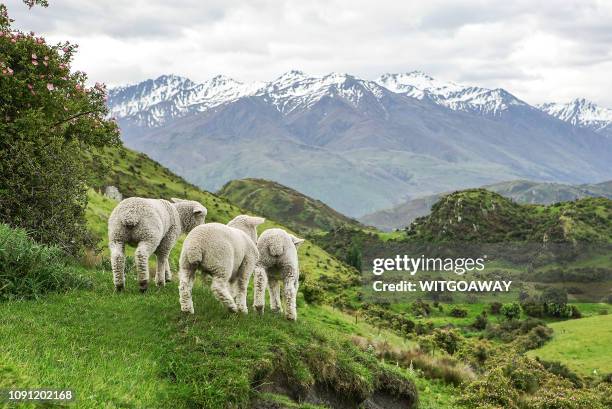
(278, 261)
(228, 253)
(153, 226)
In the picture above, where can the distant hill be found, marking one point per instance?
(521, 191)
(483, 216)
(301, 213)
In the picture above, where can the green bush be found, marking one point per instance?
(494, 390)
(481, 321)
(458, 312)
(495, 307)
(51, 122)
(448, 340)
(511, 311)
(29, 270)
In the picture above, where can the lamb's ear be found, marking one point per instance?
(256, 221)
(296, 241)
(200, 210)
(175, 200)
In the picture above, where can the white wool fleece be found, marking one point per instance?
(226, 252)
(278, 261)
(153, 226)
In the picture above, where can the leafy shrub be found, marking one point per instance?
(50, 123)
(481, 321)
(533, 307)
(511, 311)
(448, 340)
(535, 338)
(420, 307)
(475, 353)
(495, 307)
(561, 370)
(494, 390)
(458, 312)
(29, 270)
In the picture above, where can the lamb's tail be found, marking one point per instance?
(130, 219)
(194, 255)
(275, 249)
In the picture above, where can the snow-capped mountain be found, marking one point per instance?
(294, 91)
(356, 144)
(154, 102)
(582, 112)
(450, 94)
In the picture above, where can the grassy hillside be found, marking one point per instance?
(133, 350)
(288, 206)
(568, 345)
(520, 191)
(484, 216)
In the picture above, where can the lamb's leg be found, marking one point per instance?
(118, 264)
(275, 299)
(260, 282)
(242, 283)
(290, 283)
(160, 272)
(220, 288)
(186, 279)
(290, 299)
(143, 251)
(168, 272)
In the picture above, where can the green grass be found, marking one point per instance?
(134, 350)
(583, 344)
(30, 270)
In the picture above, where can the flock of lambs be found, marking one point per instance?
(229, 253)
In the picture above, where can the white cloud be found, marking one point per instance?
(546, 51)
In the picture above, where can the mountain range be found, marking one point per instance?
(359, 145)
(519, 191)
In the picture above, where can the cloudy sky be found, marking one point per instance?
(551, 51)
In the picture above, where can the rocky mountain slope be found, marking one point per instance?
(582, 112)
(355, 144)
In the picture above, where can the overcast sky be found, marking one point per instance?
(552, 51)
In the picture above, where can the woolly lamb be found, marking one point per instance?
(278, 261)
(228, 253)
(153, 226)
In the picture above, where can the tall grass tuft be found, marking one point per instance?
(30, 270)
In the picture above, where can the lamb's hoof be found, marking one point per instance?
(119, 288)
(259, 309)
(187, 312)
(144, 285)
(160, 283)
(168, 279)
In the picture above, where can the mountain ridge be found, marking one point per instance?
(349, 142)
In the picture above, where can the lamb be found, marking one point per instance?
(278, 261)
(153, 226)
(228, 253)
